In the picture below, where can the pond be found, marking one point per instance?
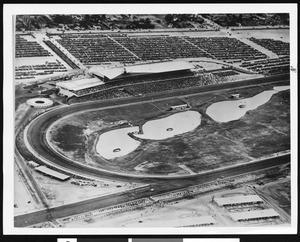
(233, 110)
(170, 126)
(117, 143)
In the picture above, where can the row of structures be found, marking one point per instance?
(246, 215)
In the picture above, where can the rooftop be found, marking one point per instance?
(144, 68)
(80, 84)
(52, 173)
(237, 200)
(256, 214)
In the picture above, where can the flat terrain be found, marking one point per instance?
(259, 133)
(188, 210)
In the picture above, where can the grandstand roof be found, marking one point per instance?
(80, 84)
(255, 214)
(144, 69)
(223, 201)
(52, 173)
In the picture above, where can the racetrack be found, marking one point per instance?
(37, 144)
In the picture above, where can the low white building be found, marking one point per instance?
(238, 200)
(254, 215)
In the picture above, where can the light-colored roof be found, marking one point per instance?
(145, 69)
(255, 214)
(80, 84)
(53, 173)
(221, 201)
(33, 163)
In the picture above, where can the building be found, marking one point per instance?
(33, 164)
(238, 200)
(117, 74)
(49, 172)
(67, 88)
(179, 107)
(254, 215)
(235, 96)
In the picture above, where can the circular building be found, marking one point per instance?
(40, 102)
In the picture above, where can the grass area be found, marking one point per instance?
(70, 138)
(260, 132)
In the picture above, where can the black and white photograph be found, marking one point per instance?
(156, 118)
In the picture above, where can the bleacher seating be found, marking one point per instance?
(25, 48)
(276, 46)
(154, 86)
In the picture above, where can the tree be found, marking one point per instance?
(169, 18)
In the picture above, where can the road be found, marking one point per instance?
(159, 186)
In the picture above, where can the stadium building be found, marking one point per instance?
(121, 73)
(75, 87)
(69, 88)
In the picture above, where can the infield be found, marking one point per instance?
(260, 132)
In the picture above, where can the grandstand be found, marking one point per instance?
(73, 86)
(116, 74)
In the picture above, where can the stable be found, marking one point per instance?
(254, 215)
(238, 200)
(46, 171)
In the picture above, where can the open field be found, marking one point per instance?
(211, 145)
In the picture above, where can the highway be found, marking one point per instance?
(36, 139)
(159, 186)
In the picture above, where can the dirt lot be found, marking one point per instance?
(260, 132)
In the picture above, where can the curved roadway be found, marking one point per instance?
(36, 138)
(36, 131)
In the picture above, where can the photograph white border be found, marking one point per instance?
(9, 10)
